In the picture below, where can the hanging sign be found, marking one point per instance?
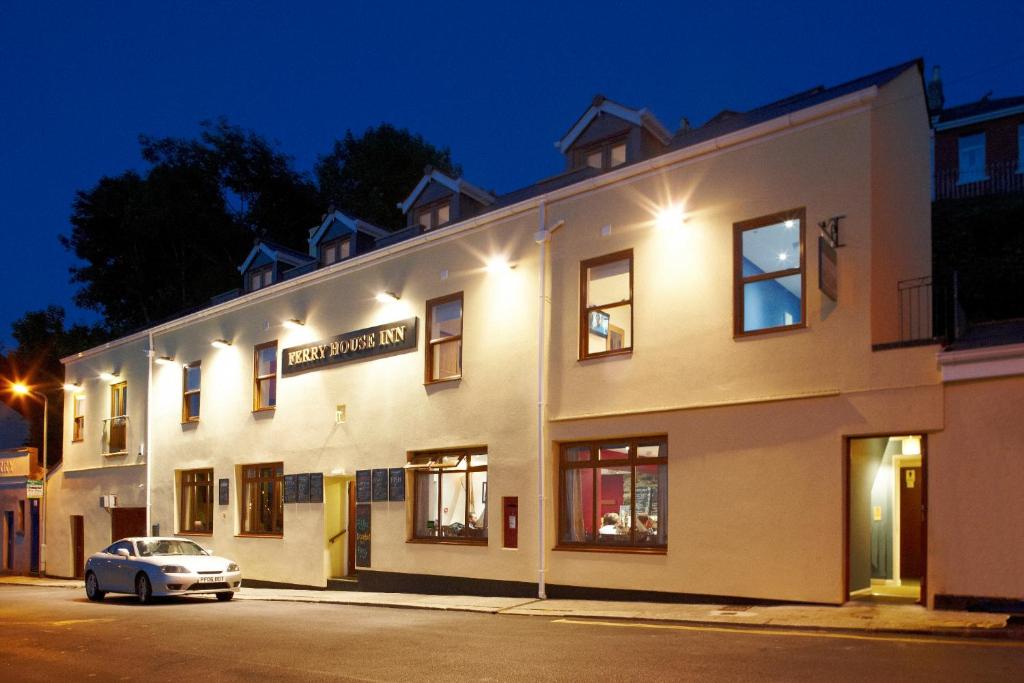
(369, 342)
(34, 488)
(828, 273)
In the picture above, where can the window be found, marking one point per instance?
(444, 342)
(191, 376)
(78, 411)
(264, 394)
(121, 545)
(260, 278)
(972, 158)
(603, 156)
(117, 434)
(433, 215)
(606, 305)
(334, 251)
(769, 273)
(262, 499)
(196, 502)
(450, 496)
(614, 494)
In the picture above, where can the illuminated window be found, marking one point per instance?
(191, 378)
(78, 410)
(450, 496)
(606, 305)
(614, 494)
(444, 342)
(769, 271)
(972, 158)
(262, 499)
(603, 156)
(260, 278)
(196, 502)
(334, 251)
(117, 425)
(264, 366)
(433, 215)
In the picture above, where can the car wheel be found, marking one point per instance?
(92, 588)
(143, 591)
(224, 597)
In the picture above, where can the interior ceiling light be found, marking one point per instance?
(220, 343)
(387, 297)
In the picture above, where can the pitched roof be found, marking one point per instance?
(602, 105)
(276, 252)
(984, 107)
(459, 185)
(353, 224)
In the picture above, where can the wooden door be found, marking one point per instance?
(350, 542)
(911, 523)
(78, 545)
(127, 522)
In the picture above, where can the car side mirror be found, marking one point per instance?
(208, 551)
(123, 552)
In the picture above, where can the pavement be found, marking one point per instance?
(853, 616)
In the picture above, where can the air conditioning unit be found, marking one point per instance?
(108, 501)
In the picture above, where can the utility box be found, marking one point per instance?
(510, 521)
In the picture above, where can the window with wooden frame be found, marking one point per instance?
(117, 436)
(261, 277)
(614, 494)
(606, 305)
(78, 419)
(450, 496)
(262, 499)
(433, 215)
(264, 368)
(196, 502)
(444, 338)
(191, 381)
(335, 250)
(603, 156)
(770, 273)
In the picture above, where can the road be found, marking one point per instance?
(51, 634)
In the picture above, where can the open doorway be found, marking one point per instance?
(339, 520)
(886, 498)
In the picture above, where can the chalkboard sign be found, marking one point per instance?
(223, 491)
(303, 480)
(362, 486)
(291, 490)
(396, 483)
(643, 500)
(363, 535)
(380, 486)
(316, 487)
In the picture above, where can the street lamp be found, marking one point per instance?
(22, 389)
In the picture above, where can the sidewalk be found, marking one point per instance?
(850, 617)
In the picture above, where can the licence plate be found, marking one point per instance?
(210, 579)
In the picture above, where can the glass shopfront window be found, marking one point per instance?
(450, 496)
(262, 499)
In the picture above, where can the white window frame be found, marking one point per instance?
(962, 178)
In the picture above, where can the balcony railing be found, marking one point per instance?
(115, 435)
(1001, 177)
(916, 309)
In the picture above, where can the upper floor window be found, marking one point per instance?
(262, 499)
(444, 342)
(972, 158)
(433, 215)
(450, 496)
(78, 412)
(606, 305)
(603, 156)
(769, 272)
(260, 278)
(264, 366)
(117, 425)
(196, 502)
(334, 251)
(191, 378)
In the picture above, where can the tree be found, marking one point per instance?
(369, 175)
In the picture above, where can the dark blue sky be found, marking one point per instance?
(498, 84)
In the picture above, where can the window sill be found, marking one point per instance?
(971, 181)
(259, 535)
(190, 422)
(631, 550)
(194, 533)
(446, 380)
(264, 410)
(768, 330)
(78, 440)
(114, 454)
(606, 354)
(449, 541)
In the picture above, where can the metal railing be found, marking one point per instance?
(115, 435)
(1001, 177)
(916, 309)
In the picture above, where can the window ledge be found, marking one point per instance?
(114, 454)
(769, 330)
(264, 410)
(630, 550)
(194, 533)
(446, 380)
(606, 354)
(259, 535)
(449, 541)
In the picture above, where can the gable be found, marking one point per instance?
(262, 259)
(602, 127)
(433, 192)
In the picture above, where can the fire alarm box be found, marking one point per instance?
(510, 521)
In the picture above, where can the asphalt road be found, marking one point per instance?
(51, 634)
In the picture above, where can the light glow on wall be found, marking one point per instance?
(670, 217)
(220, 343)
(293, 324)
(386, 297)
(164, 360)
(108, 376)
(69, 386)
(499, 264)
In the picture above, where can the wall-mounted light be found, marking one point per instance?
(386, 297)
(911, 445)
(108, 376)
(72, 386)
(163, 360)
(499, 264)
(220, 343)
(293, 324)
(670, 217)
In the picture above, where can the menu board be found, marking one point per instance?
(303, 480)
(396, 483)
(362, 486)
(291, 490)
(223, 491)
(643, 500)
(380, 486)
(316, 487)
(363, 535)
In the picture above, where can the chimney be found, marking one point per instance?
(935, 97)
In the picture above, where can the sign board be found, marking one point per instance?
(828, 273)
(380, 486)
(223, 486)
(34, 488)
(303, 480)
(362, 486)
(362, 535)
(14, 463)
(316, 487)
(291, 489)
(369, 342)
(396, 483)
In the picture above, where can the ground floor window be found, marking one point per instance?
(196, 502)
(614, 493)
(262, 499)
(450, 496)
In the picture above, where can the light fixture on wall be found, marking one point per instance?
(670, 217)
(499, 264)
(163, 360)
(293, 324)
(220, 343)
(108, 376)
(386, 297)
(72, 386)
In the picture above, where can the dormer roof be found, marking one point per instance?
(457, 185)
(353, 224)
(602, 105)
(275, 252)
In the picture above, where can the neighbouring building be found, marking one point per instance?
(21, 490)
(676, 369)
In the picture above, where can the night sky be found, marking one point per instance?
(496, 84)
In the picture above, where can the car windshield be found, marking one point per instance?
(169, 547)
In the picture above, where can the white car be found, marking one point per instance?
(158, 567)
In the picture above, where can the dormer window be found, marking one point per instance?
(603, 156)
(433, 215)
(260, 278)
(335, 250)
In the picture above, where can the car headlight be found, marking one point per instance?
(173, 569)
(232, 567)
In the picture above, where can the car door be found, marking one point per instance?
(114, 578)
(100, 564)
